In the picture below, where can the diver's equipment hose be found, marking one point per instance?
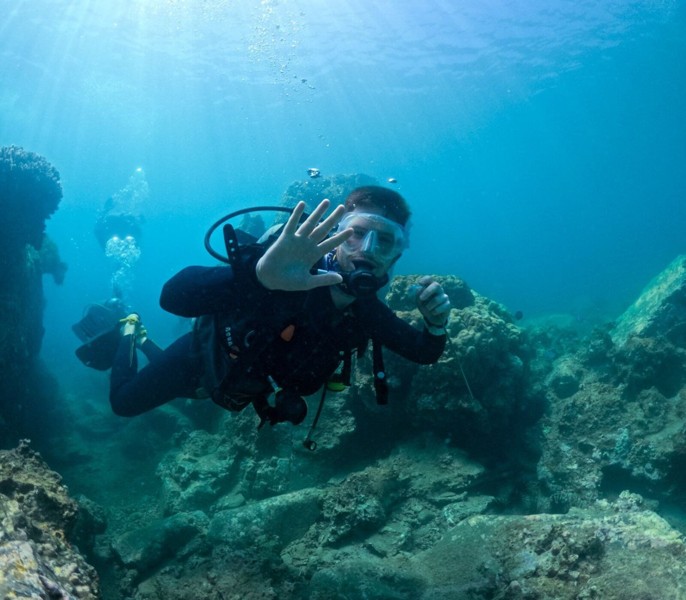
(237, 213)
(308, 442)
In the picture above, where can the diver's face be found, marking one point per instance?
(377, 242)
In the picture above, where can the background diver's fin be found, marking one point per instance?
(99, 332)
(99, 352)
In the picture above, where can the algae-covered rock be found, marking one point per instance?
(617, 551)
(660, 310)
(279, 520)
(147, 547)
(393, 508)
(369, 579)
(566, 376)
(476, 394)
(198, 475)
(37, 517)
(616, 410)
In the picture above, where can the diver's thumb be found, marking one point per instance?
(324, 279)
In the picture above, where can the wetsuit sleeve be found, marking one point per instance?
(400, 337)
(197, 291)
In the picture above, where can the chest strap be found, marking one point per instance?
(380, 383)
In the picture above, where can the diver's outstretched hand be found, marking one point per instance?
(287, 263)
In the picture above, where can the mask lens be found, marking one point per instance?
(374, 235)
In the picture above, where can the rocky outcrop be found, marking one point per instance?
(415, 525)
(37, 559)
(30, 192)
(477, 396)
(660, 310)
(617, 404)
(613, 551)
(274, 547)
(315, 189)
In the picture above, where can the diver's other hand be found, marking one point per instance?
(433, 302)
(287, 263)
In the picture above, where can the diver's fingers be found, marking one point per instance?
(432, 289)
(311, 222)
(292, 224)
(438, 306)
(323, 229)
(335, 240)
(443, 308)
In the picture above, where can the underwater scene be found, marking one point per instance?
(466, 383)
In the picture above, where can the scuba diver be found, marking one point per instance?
(285, 316)
(119, 234)
(118, 230)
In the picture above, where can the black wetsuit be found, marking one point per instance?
(295, 338)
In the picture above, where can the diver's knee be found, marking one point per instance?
(123, 409)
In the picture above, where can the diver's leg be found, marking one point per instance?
(175, 373)
(151, 350)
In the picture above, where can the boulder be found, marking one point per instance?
(147, 547)
(660, 310)
(280, 520)
(369, 579)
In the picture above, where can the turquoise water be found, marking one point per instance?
(542, 145)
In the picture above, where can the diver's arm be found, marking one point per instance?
(197, 291)
(420, 346)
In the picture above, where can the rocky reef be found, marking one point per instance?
(617, 404)
(527, 463)
(30, 192)
(532, 461)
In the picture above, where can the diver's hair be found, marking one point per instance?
(391, 204)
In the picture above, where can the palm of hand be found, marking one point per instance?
(288, 262)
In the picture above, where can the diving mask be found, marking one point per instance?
(374, 235)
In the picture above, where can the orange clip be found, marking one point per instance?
(287, 333)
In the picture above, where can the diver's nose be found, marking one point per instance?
(369, 242)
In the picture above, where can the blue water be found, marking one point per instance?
(541, 144)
